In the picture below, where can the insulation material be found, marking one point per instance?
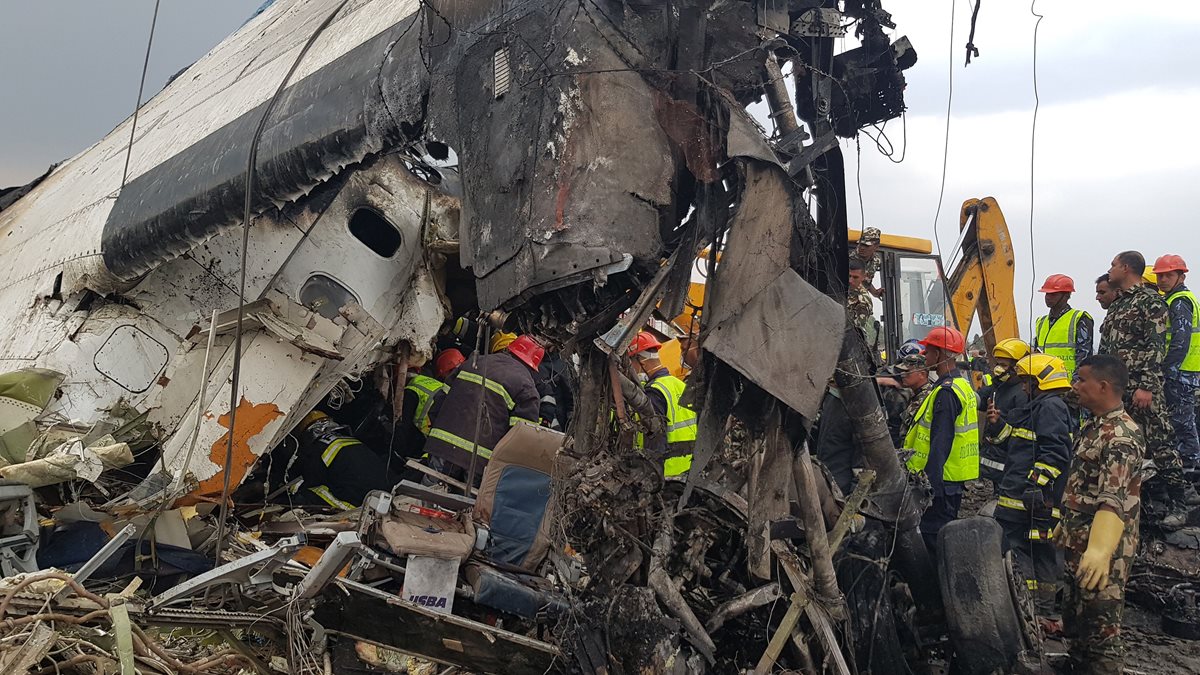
(70, 461)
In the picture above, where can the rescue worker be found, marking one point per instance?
(945, 438)
(1065, 333)
(664, 392)
(1106, 292)
(1005, 395)
(1135, 331)
(547, 401)
(866, 251)
(859, 307)
(1038, 442)
(338, 470)
(480, 403)
(419, 394)
(914, 376)
(904, 386)
(1101, 508)
(1181, 366)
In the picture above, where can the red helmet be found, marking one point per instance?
(945, 338)
(1169, 263)
(447, 360)
(527, 351)
(1058, 283)
(643, 342)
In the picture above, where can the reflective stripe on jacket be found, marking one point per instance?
(424, 388)
(1191, 362)
(1058, 339)
(681, 423)
(963, 463)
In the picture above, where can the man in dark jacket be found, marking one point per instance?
(1007, 395)
(1038, 439)
(486, 397)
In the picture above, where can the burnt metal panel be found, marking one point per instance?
(332, 118)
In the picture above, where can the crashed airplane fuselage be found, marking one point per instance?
(594, 139)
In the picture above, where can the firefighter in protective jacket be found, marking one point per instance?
(1038, 440)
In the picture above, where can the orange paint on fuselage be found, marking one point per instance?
(252, 418)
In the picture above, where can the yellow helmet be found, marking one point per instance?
(1011, 348)
(501, 341)
(1049, 371)
(312, 417)
(1149, 276)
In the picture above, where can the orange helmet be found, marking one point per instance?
(446, 362)
(1169, 263)
(527, 351)
(1058, 283)
(946, 338)
(643, 342)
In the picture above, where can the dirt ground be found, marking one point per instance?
(1150, 650)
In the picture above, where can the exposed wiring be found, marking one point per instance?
(235, 377)
(862, 211)
(141, 88)
(972, 50)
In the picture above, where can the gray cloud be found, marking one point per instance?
(73, 69)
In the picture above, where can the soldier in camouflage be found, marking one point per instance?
(866, 252)
(858, 303)
(1135, 331)
(1100, 514)
(914, 376)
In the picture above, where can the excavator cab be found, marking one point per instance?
(915, 296)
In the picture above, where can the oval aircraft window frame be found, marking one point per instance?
(326, 310)
(376, 232)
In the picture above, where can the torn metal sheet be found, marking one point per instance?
(760, 341)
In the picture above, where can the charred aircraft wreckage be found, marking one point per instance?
(558, 168)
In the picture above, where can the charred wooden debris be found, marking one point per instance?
(604, 152)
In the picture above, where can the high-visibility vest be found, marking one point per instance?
(425, 389)
(1058, 339)
(963, 463)
(1191, 362)
(681, 422)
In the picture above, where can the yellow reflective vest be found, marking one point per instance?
(681, 422)
(1191, 362)
(1058, 339)
(963, 463)
(425, 388)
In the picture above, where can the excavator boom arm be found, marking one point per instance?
(982, 280)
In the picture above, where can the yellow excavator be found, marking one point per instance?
(917, 295)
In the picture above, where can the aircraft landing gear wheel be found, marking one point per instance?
(981, 614)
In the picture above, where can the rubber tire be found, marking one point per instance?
(984, 627)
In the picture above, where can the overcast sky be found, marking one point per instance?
(1117, 160)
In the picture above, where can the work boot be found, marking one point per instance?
(1188, 494)
(1176, 519)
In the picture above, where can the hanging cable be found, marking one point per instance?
(141, 88)
(235, 377)
(972, 50)
(1032, 156)
(946, 160)
(862, 212)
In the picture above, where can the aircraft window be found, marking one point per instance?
(325, 295)
(375, 232)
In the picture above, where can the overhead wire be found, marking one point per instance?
(1032, 166)
(946, 158)
(235, 377)
(141, 89)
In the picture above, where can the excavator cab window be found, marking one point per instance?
(915, 298)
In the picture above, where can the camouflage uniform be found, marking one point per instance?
(871, 267)
(1105, 471)
(914, 404)
(859, 308)
(1135, 331)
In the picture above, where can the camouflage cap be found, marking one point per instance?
(907, 364)
(870, 236)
